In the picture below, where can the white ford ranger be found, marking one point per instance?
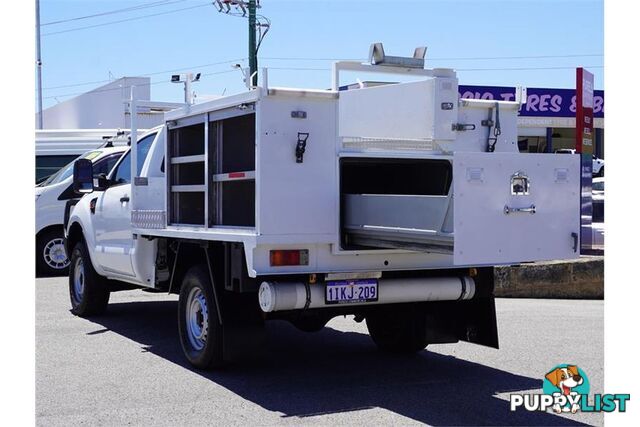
(390, 203)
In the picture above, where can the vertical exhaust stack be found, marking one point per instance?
(281, 296)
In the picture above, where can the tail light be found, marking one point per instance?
(285, 257)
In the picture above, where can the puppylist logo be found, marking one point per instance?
(565, 389)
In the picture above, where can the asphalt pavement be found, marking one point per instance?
(126, 368)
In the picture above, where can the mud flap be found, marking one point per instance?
(473, 321)
(478, 323)
(476, 318)
(243, 331)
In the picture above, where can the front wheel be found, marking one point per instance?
(87, 289)
(200, 330)
(399, 330)
(51, 257)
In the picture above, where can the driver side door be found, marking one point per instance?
(114, 237)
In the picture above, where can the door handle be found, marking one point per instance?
(531, 209)
(124, 199)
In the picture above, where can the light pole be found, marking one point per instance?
(253, 51)
(39, 64)
(187, 79)
(258, 27)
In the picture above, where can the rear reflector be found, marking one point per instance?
(280, 257)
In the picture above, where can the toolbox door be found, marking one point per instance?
(513, 207)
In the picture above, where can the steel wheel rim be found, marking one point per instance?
(55, 255)
(78, 280)
(197, 317)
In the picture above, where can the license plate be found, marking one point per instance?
(350, 291)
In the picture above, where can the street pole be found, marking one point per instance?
(188, 96)
(39, 64)
(253, 55)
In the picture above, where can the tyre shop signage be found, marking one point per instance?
(540, 102)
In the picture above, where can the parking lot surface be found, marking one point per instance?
(126, 368)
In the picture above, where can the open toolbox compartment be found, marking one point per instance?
(482, 208)
(396, 203)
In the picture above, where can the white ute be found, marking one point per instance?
(390, 203)
(52, 195)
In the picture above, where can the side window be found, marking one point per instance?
(48, 165)
(123, 173)
(104, 166)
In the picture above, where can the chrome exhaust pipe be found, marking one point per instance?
(279, 296)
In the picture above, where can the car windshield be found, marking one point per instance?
(598, 186)
(66, 171)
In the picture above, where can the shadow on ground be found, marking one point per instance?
(302, 375)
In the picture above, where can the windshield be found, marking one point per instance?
(598, 186)
(66, 171)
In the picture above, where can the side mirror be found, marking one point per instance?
(83, 176)
(101, 182)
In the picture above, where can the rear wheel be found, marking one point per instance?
(200, 330)
(51, 257)
(310, 323)
(88, 290)
(399, 330)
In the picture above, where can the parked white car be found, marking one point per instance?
(55, 148)
(597, 187)
(597, 164)
(597, 219)
(51, 197)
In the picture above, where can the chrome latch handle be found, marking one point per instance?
(531, 209)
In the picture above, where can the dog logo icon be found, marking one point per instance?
(566, 380)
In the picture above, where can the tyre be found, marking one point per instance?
(88, 290)
(51, 257)
(399, 330)
(198, 325)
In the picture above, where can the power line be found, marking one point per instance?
(527, 68)
(197, 66)
(442, 58)
(126, 20)
(303, 69)
(148, 74)
(456, 69)
(298, 69)
(140, 85)
(516, 57)
(111, 12)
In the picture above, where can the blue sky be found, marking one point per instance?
(465, 35)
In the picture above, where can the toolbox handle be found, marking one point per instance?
(531, 209)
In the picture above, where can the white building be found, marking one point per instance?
(107, 107)
(81, 123)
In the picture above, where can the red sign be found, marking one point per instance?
(584, 111)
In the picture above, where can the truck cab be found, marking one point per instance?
(105, 215)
